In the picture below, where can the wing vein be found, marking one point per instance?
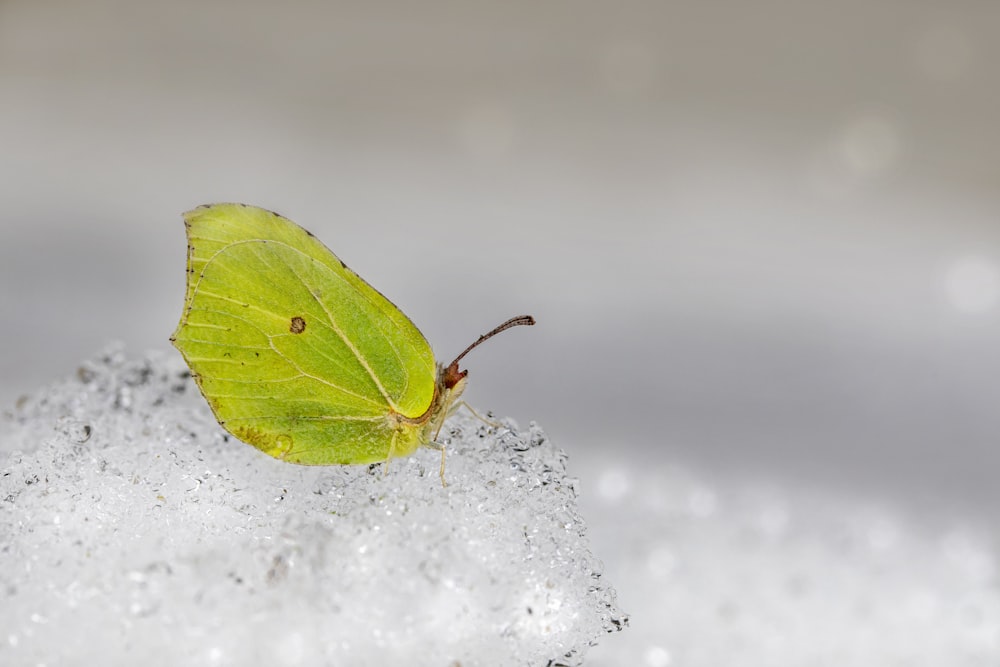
(281, 355)
(336, 329)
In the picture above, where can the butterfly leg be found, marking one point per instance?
(475, 414)
(392, 452)
(441, 448)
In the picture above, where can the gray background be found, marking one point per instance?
(759, 237)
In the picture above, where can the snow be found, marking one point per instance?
(136, 531)
(730, 570)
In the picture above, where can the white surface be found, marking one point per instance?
(150, 537)
(734, 572)
(134, 532)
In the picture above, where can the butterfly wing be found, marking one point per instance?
(295, 353)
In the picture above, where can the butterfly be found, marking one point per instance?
(300, 357)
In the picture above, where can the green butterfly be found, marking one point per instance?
(300, 357)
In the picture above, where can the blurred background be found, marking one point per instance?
(760, 239)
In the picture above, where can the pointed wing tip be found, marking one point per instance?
(202, 208)
(221, 208)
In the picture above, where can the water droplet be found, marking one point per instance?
(702, 502)
(657, 656)
(614, 484)
(973, 285)
(869, 145)
(661, 561)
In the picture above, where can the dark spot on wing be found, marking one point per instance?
(298, 325)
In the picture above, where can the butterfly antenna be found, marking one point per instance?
(526, 320)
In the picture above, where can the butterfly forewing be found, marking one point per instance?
(295, 353)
